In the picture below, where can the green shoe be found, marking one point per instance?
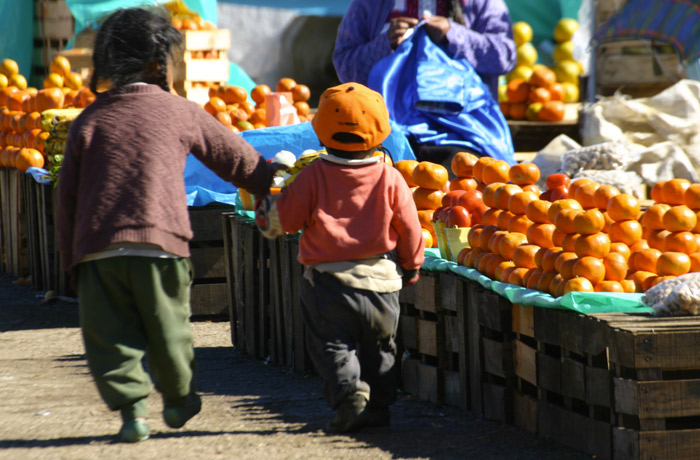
(177, 415)
(349, 415)
(133, 431)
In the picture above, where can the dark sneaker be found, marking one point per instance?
(133, 431)
(177, 416)
(347, 419)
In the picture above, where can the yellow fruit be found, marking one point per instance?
(19, 81)
(9, 67)
(567, 71)
(522, 33)
(526, 54)
(533, 110)
(565, 29)
(571, 92)
(563, 51)
(60, 65)
(502, 93)
(4, 82)
(521, 71)
(73, 80)
(54, 80)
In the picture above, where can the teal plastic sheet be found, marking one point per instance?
(581, 302)
(16, 24)
(542, 15)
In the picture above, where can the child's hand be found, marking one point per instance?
(410, 277)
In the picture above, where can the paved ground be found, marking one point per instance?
(49, 407)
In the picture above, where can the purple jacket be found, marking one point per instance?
(486, 41)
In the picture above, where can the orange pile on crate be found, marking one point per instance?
(574, 236)
(230, 104)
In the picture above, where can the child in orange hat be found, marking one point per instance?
(361, 242)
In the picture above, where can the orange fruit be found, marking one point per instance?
(508, 244)
(642, 279)
(301, 93)
(463, 253)
(406, 167)
(479, 167)
(691, 197)
(568, 242)
(543, 76)
(673, 263)
(657, 239)
(695, 262)
(620, 248)
(28, 158)
(545, 280)
(578, 285)
(584, 194)
(532, 188)
(519, 224)
(564, 220)
(490, 217)
(517, 91)
(518, 202)
(590, 268)
(616, 266)
(684, 242)
(549, 258)
(566, 268)
(524, 174)
(462, 183)
(558, 205)
(462, 164)
(426, 198)
(558, 237)
(673, 191)
(488, 195)
(234, 94)
(623, 207)
(524, 255)
(504, 219)
(540, 95)
(60, 65)
(679, 218)
(609, 286)
(652, 218)
(625, 231)
(556, 285)
(536, 211)
(517, 276)
(259, 92)
(215, 105)
(532, 279)
(302, 107)
(425, 217)
(485, 236)
(470, 260)
(285, 85)
(500, 268)
(430, 175)
(644, 260)
(427, 237)
(541, 235)
(596, 245)
(628, 286)
(696, 229)
(539, 257)
(517, 111)
(496, 171)
(503, 194)
(589, 221)
(493, 260)
(495, 239)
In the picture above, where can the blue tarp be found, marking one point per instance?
(16, 25)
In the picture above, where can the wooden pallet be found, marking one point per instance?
(656, 382)
(209, 290)
(193, 73)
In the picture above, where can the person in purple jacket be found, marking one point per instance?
(479, 31)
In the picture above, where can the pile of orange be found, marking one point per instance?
(231, 106)
(540, 98)
(21, 135)
(590, 237)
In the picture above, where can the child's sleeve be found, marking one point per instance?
(66, 201)
(410, 246)
(296, 203)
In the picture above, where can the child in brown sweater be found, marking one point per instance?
(122, 217)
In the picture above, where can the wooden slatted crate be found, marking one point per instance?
(13, 232)
(204, 62)
(38, 201)
(655, 385)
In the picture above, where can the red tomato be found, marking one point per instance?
(557, 180)
(471, 199)
(437, 213)
(478, 213)
(458, 216)
(559, 193)
(546, 195)
(450, 198)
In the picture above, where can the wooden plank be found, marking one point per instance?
(494, 311)
(202, 69)
(205, 40)
(227, 223)
(598, 386)
(409, 375)
(463, 351)
(425, 292)
(450, 288)
(208, 262)
(663, 350)
(498, 402)
(275, 299)
(548, 373)
(573, 380)
(302, 361)
(498, 358)
(205, 222)
(266, 317)
(523, 320)
(250, 304)
(408, 332)
(238, 288)
(452, 332)
(209, 300)
(285, 276)
(525, 362)
(427, 337)
(451, 388)
(525, 412)
(546, 325)
(429, 383)
(658, 399)
(470, 320)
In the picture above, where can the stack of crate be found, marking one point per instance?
(204, 63)
(53, 28)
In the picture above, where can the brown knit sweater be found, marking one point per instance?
(122, 175)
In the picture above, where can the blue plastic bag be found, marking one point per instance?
(439, 100)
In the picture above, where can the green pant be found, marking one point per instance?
(130, 306)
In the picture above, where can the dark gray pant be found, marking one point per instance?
(350, 336)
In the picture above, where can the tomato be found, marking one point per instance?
(546, 195)
(450, 198)
(557, 180)
(458, 216)
(437, 213)
(471, 199)
(559, 193)
(478, 213)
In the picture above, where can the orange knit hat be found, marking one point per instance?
(351, 109)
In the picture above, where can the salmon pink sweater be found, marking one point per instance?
(122, 177)
(351, 212)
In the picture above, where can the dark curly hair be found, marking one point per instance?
(133, 45)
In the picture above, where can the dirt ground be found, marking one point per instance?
(50, 409)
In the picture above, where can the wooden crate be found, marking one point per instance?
(54, 19)
(41, 245)
(13, 231)
(194, 72)
(656, 382)
(209, 290)
(534, 135)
